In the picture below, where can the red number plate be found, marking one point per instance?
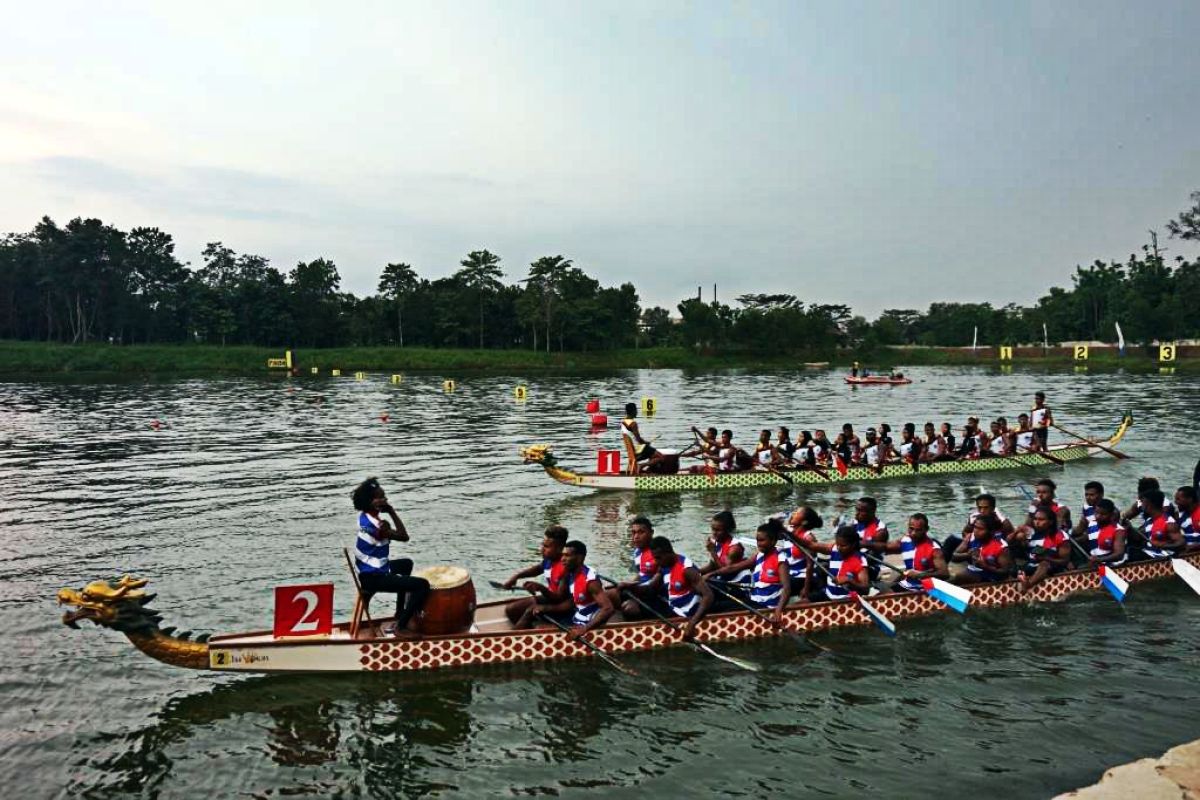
(608, 462)
(303, 610)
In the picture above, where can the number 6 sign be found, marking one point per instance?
(303, 610)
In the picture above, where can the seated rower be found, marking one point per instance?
(1159, 536)
(770, 576)
(922, 555)
(847, 567)
(1137, 511)
(1187, 516)
(822, 448)
(642, 450)
(705, 445)
(728, 452)
(1107, 542)
(933, 446)
(986, 553)
(848, 444)
(985, 504)
(641, 531)
(948, 438)
(910, 444)
(724, 551)
(376, 572)
(800, 526)
(997, 442)
(681, 584)
(784, 446)
(872, 531)
(1043, 495)
(1021, 439)
(551, 569)
(1085, 528)
(969, 447)
(765, 454)
(587, 597)
(1048, 548)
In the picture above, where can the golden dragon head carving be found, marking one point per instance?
(538, 454)
(119, 604)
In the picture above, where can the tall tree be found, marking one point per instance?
(546, 277)
(480, 274)
(397, 282)
(1187, 225)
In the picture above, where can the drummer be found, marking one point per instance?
(551, 569)
(376, 571)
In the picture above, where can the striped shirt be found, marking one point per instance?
(371, 547)
(770, 570)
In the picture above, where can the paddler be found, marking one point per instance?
(1022, 440)
(872, 531)
(641, 531)
(986, 553)
(997, 443)
(822, 448)
(1107, 542)
(642, 450)
(1145, 484)
(948, 438)
(1044, 495)
(1048, 548)
(933, 446)
(801, 524)
(770, 586)
(985, 505)
(784, 445)
(724, 550)
(847, 567)
(376, 571)
(923, 557)
(589, 603)
(681, 584)
(1187, 516)
(551, 569)
(1086, 527)
(1041, 419)
(910, 444)
(765, 454)
(1158, 536)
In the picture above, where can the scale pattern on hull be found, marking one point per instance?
(734, 626)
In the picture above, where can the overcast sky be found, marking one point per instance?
(882, 155)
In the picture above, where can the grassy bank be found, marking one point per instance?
(39, 358)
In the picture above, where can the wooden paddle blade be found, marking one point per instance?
(1190, 575)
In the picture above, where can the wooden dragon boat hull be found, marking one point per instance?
(869, 381)
(717, 481)
(256, 652)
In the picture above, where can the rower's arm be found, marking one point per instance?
(963, 551)
(940, 568)
(528, 572)
(1005, 563)
(733, 568)
(1062, 555)
(1175, 536)
(861, 580)
(606, 608)
(785, 593)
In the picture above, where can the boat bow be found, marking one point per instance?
(120, 604)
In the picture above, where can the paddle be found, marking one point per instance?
(749, 666)
(883, 623)
(1090, 442)
(1117, 586)
(590, 645)
(718, 585)
(1185, 570)
(813, 467)
(1043, 454)
(956, 597)
(502, 587)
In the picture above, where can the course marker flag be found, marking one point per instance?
(883, 622)
(1189, 573)
(1115, 584)
(954, 596)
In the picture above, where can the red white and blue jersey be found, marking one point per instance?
(723, 559)
(872, 531)
(643, 564)
(1168, 510)
(1088, 515)
(1040, 543)
(679, 592)
(1155, 531)
(585, 605)
(553, 573)
(766, 582)
(1189, 526)
(917, 557)
(1103, 542)
(370, 548)
(989, 553)
(797, 560)
(1054, 506)
(842, 567)
(974, 515)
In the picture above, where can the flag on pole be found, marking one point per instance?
(1115, 584)
(1045, 337)
(975, 338)
(1120, 338)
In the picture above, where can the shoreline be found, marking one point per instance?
(43, 358)
(1174, 775)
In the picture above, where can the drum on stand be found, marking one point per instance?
(451, 604)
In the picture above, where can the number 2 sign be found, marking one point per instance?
(303, 610)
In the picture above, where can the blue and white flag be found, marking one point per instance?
(1115, 584)
(956, 597)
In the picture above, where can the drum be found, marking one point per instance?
(451, 604)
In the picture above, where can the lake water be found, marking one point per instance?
(246, 486)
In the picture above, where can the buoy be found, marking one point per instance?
(521, 392)
(384, 417)
(448, 387)
(599, 420)
(155, 424)
(337, 373)
(593, 406)
(397, 379)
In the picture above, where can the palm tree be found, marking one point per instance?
(546, 276)
(481, 273)
(396, 283)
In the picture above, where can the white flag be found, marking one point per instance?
(975, 338)
(1120, 338)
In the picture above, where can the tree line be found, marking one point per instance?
(87, 281)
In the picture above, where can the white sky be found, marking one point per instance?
(882, 155)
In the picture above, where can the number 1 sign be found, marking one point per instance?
(303, 610)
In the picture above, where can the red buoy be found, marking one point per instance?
(599, 420)
(156, 424)
(593, 407)
(384, 417)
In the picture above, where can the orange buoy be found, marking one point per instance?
(593, 406)
(599, 420)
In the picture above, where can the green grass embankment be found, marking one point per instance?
(41, 358)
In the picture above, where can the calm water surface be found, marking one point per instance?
(247, 485)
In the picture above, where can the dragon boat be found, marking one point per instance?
(123, 605)
(711, 480)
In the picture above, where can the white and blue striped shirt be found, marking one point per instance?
(370, 548)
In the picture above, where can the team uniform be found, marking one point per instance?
(641, 451)
(990, 553)
(585, 605)
(1037, 418)
(766, 579)
(722, 558)
(1189, 526)
(1102, 543)
(553, 574)
(917, 557)
(1155, 531)
(867, 531)
(682, 599)
(643, 565)
(1039, 544)
(841, 567)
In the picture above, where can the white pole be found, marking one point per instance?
(975, 338)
